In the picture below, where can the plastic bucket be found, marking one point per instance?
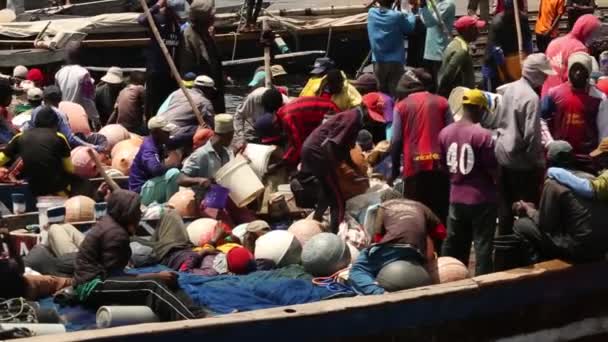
(239, 177)
(216, 197)
(259, 156)
(43, 203)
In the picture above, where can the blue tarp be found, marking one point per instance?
(226, 294)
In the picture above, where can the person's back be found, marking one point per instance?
(457, 53)
(422, 116)
(300, 118)
(575, 225)
(140, 171)
(104, 252)
(43, 151)
(130, 107)
(468, 150)
(436, 40)
(387, 29)
(180, 113)
(518, 142)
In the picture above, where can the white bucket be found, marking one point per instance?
(259, 156)
(114, 316)
(43, 203)
(245, 186)
(38, 329)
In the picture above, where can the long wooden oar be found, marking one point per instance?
(171, 63)
(268, 77)
(520, 42)
(102, 171)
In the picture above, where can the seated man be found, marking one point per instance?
(587, 188)
(153, 175)
(179, 111)
(564, 226)
(46, 156)
(99, 278)
(403, 228)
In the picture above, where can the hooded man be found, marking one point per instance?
(76, 83)
(519, 149)
(159, 81)
(560, 49)
(417, 121)
(198, 51)
(571, 109)
(99, 278)
(565, 225)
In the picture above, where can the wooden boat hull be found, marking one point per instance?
(551, 300)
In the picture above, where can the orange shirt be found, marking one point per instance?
(548, 11)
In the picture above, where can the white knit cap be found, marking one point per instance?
(223, 123)
(582, 58)
(20, 71)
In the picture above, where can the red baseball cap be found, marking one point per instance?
(466, 21)
(374, 102)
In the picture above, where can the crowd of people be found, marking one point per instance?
(404, 163)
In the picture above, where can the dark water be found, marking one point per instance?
(236, 92)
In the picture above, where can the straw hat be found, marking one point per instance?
(113, 76)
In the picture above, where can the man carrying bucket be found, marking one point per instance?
(204, 163)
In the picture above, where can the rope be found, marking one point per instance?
(328, 41)
(332, 284)
(25, 312)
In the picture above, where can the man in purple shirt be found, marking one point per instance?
(467, 152)
(155, 178)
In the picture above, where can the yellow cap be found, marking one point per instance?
(475, 97)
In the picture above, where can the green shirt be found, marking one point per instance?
(600, 186)
(456, 68)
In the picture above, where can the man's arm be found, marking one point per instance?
(580, 186)
(532, 133)
(408, 23)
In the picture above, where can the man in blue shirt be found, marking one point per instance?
(52, 96)
(387, 29)
(436, 38)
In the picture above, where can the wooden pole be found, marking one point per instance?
(268, 79)
(444, 28)
(171, 63)
(520, 43)
(101, 171)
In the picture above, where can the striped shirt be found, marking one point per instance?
(417, 121)
(299, 118)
